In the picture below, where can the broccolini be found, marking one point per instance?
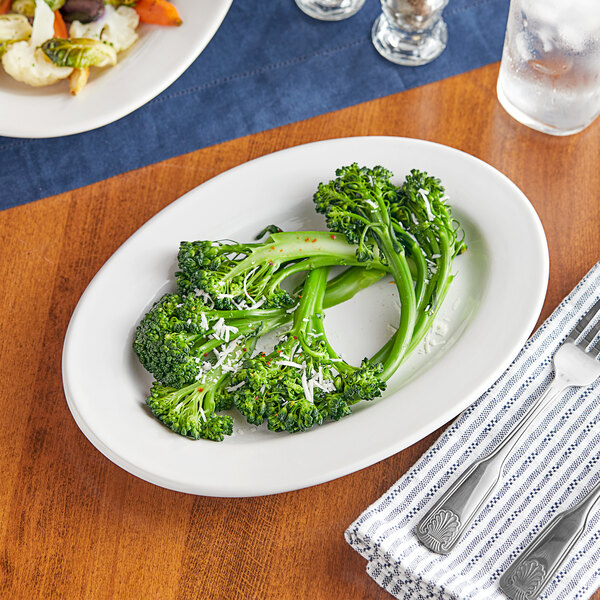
(302, 381)
(199, 343)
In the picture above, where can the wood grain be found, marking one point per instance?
(72, 524)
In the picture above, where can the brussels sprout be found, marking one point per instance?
(13, 28)
(79, 52)
(55, 4)
(27, 7)
(84, 11)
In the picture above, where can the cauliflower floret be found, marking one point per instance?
(14, 28)
(115, 27)
(26, 62)
(30, 65)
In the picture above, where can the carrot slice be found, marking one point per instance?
(157, 12)
(60, 28)
(5, 6)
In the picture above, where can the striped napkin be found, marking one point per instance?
(557, 463)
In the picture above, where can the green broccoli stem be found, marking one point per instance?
(383, 232)
(246, 328)
(311, 297)
(402, 276)
(338, 290)
(437, 290)
(318, 327)
(310, 317)
(209, 385)
(348, 283)
(316, 262)
(443, 265)
(288, 246)
(304, 315)
(422, 326)
(418, 259)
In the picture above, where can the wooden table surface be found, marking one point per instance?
(74, 525)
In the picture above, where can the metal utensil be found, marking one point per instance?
(447, 520)
(536, 566)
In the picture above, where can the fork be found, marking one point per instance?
(446, 521)
(537, 565)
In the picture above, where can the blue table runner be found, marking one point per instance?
(268, 65)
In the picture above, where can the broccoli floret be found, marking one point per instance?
(191, 410)
(411, 225)
(180, 333)
(421, 208)
(173, 340)
(303, 381)
(230, 276)
(357, 204)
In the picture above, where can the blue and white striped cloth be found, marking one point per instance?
(553, 469)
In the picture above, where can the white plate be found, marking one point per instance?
(492, 307)
(151, 65)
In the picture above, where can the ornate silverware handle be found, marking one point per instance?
(535, 567)
(446, 521)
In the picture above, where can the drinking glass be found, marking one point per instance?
(330, 10)
(410, 32)
(549, 76)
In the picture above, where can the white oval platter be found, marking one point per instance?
(489, 313)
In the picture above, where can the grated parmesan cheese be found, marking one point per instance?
(202, 294)
(289, 363)
(203, 321)
(236, 387)
(257, 304)
(424, 194)
(306, 387)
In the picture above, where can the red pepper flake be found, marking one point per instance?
(314, 240)
(295, 338)
(307, 239)
(332, 236)
(206, 354)
(272, 247)
(271, 262)
(280, 249)
(200, 389)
